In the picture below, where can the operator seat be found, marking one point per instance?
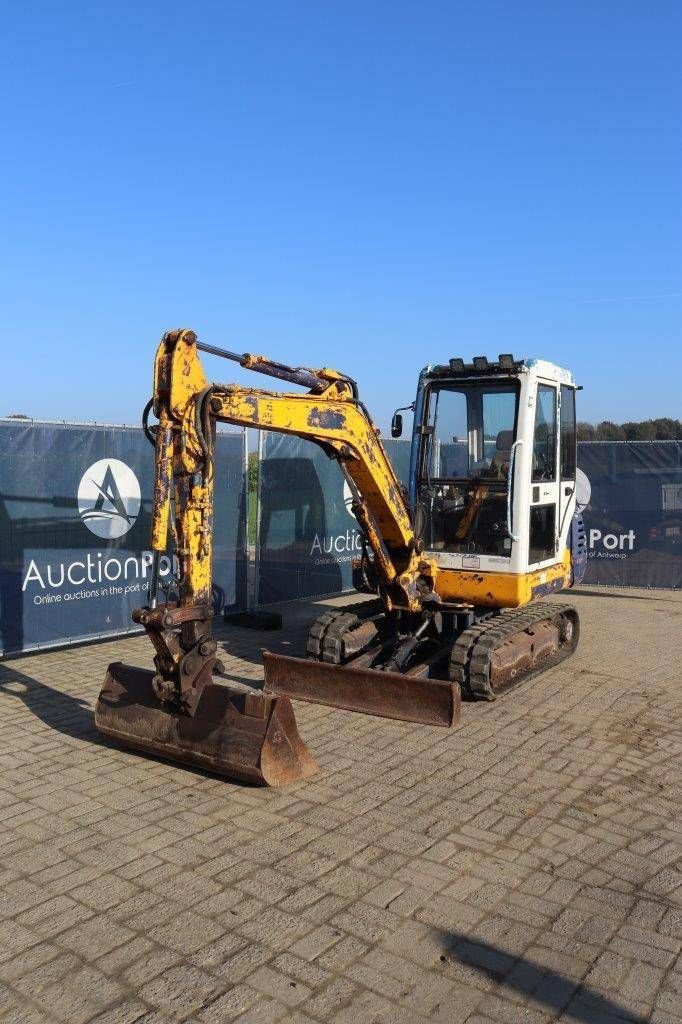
(499, 464)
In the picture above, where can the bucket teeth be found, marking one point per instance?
(248, 736)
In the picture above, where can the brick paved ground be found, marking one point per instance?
(527, 867)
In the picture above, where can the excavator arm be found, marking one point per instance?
(330, 414)
(435, 627)
(174, 711)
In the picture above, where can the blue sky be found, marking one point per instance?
(370, 186)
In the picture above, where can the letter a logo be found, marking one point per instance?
(109, 498)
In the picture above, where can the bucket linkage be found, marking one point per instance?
(181, 714)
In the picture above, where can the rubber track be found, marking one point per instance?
(325, 639)
(472, 652)
(462, 649)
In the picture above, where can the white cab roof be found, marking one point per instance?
(548, 371)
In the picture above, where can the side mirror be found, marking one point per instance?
(396, 425)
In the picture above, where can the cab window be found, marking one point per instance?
(464, 467)
(568, 434)
(471, 430)
(544, 438)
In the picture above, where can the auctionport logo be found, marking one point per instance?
(342, 547)
(109, 498)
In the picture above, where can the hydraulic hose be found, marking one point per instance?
(148, 431)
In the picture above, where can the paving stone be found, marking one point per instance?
(264, 1012)
(149, 965)
(317, 941)
(298, 969)
(33, 983)
(186, 932)
(95, 937)
(180, 991)
(525, 867)
(329, 1000)
(230, 1005)
(127, 1012)
(28, 961)
(68, 1004)
(26, 1015)
(282, 988)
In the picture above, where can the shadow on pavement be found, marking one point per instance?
(74, 717)
(247, 644)
(550, 989)
(653, 596)
(56, 709)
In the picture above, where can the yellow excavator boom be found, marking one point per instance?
(178, 711)
(331, 415)
(436, 623)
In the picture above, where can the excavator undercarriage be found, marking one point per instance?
(455, 611)
(500, 650)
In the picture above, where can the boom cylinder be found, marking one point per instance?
(293, 374)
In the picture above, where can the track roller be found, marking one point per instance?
(513, 646)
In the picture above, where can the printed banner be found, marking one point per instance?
(308, 537)
(633, 517)
(75, 518)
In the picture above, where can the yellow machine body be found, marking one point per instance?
(181, 712)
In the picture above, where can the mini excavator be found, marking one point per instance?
(457, 568)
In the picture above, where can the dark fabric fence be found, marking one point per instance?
(307, 534)
(308, 537)
(75, 516)
(634, 516)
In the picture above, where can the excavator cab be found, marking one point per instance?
(454, 571)
(492, 477)
(464, 455)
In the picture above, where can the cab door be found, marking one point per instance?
(544, 483)
(567, 462)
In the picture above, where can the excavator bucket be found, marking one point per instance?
(244, 735)
(398, 695)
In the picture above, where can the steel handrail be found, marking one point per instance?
(510, 481)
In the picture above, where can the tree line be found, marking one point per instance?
(663, 429)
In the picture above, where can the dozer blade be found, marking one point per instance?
(397, 695)
(247, 736)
